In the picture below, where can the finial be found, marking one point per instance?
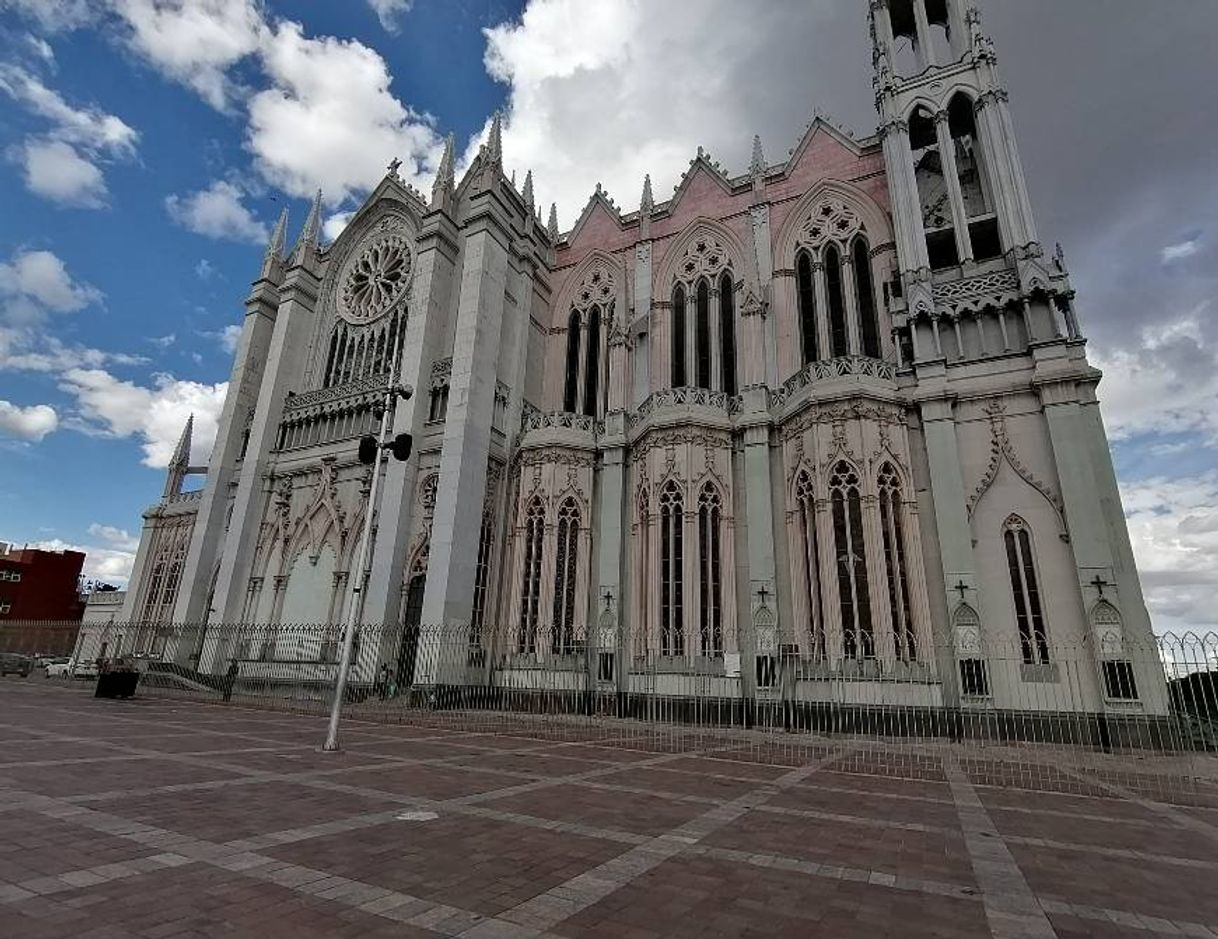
(445, 181)
(274, 247)
(393, 166)
(494, 147)
(308, 235)
(527, 193)
(647, 204)
(757, 166)
(552, 225)
(599, 190)
(513, 179)
(701, 152)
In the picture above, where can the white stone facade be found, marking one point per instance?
(830, 419)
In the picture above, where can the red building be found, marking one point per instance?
(39, 598)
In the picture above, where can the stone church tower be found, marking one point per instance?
(823, 429)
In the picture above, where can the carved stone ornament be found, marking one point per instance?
(831, 220)
(377, 276)
(1002, 451)
(705, 255)
(966, 626)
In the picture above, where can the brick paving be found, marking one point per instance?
(157, 818)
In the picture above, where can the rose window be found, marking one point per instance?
(377, 279)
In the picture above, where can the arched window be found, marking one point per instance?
(869, 329)
(896, 566)
(838, 336)
(1029, 615)
(974, 184)
(570, 394)
(854, 599)
(932, 191)
(566, 550)
(710, 567)
(482, 576)
(702, 337)
(329, 372)
(592, 365)
(809, 560)
(806, 289)
(644, 574)
(672, 578)
(530, 588)
(727, 331)
(678, 337)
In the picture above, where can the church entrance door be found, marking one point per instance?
(409, 647)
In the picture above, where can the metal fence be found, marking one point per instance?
(1142, 718)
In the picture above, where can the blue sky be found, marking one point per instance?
(146, 146)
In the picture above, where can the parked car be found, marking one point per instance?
(11, 663)
(84, 670)
(58, 668)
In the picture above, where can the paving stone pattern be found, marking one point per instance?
(167, 819)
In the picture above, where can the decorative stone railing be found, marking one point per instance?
(533, 419)
(330, 414)
(975, 293)
(194, 495)
(685, 397)
(841, 367)
(352, 389)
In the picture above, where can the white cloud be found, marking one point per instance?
(55, 170)
(329, 120)
(229, 337)
(116, 537)
(388, 11)
(156, 415)
(216, 212)
(55, 15)
(28, 423)
(163, 342)
(1165, 383)
(1181, 250)
(109, 564)
(614, 90)
(195, 41)
(334, 224)
(37, 281)
(204, 270)
(26, 349)
(61, 164)
(1173, 524)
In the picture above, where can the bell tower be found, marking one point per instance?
(959, 198)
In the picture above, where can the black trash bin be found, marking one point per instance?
(117, 680)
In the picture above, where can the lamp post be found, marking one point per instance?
(370, 448)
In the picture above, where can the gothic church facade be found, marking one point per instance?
(831, 418)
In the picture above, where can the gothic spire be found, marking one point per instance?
(445, 179)
(647, 204)
(179, 463)
(527, 192)
(307, 242)
(552, 225)
(757, 166)
(494, 146)
(274, 247)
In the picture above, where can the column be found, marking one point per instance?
(759, 511)
(854, 342)
(645, 335)
(951, 505)
(947, 155)
(609, 552)
(925, 48)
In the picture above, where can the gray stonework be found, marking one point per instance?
(884, 457)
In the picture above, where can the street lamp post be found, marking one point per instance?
(368, 446)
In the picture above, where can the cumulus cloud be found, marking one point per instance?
(329, 121)
(54, 16)
(103, 562)
(27, 349)
(1181, 250)
(1173, 524)
(55, 170)
(35, 282)
(389, 12)
(217, 212)
(154, 415)
(61, 164)
(195, 41)
(27, 423)
(116, 537)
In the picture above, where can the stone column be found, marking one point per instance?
(609, 548)
(644, 334)
(951, 177)
(759, 511)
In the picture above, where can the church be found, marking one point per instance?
(829, 418)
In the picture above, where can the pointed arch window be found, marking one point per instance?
(672, 577)
(971, 172)
(854, 599)
(678, 337)
(710, 568)
(806, 288)
(570, 394)
(869, 329)
(592, 365)
(482, 572)
(566, 551)
(838, 335)
(809, 559)
(1025, 590)
(727, 331)
(644, 555)
(530, 588)
(896, 565)
(702, 336)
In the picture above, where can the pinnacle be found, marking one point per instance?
(494, 146)
(552, 225)
(647, 203)
(308, 235)
(757, 166)
(527, 192)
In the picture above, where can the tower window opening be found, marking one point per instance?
(939, 42)
(727, 331)
(592, 364)
(838, 334)
(702, 334)
(906, 56)
(973, 176)
(678, 337)
(806, 290)
(570, 393)
(933, 195)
